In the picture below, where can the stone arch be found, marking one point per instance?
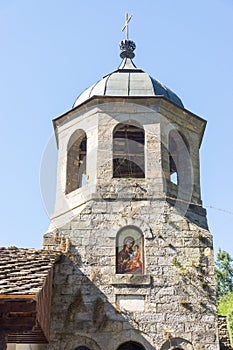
(76, 161)
(179, 158)
(131, 345)
(129, 150)
(177, 344)
(130, 251)
(82, 343)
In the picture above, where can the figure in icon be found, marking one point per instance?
(135, 260)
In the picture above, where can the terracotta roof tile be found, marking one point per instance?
(24, 270)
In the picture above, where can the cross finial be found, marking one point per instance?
(125, 27)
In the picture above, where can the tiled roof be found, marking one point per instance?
(23, 271)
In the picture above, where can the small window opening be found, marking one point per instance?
(174, 178)
(76, 161)
(128, 151)
(179, 158)
(173, 160)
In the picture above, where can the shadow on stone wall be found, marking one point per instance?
(84, 313)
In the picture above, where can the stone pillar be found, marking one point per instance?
(223, 333)
(3, 341)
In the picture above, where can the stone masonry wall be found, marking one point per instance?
(224, 337)
(173, 301)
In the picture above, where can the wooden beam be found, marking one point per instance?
(17, 306)
(17, 296)
(35, 336)
(26, 318)
(11, 324)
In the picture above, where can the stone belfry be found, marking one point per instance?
(137, 271)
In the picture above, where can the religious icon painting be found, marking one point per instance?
(129, 251)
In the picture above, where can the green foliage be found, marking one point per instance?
(224, 288)
(225, 304)
(225, 308)
(223, 273)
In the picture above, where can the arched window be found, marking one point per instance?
(179, 158)
(76, 161)
(129, 251)
(131, 345)
(128, 151)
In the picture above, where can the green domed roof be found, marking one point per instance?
(128, 80)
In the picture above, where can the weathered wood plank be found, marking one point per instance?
(17, 306)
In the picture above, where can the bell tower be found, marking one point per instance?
(138, 265)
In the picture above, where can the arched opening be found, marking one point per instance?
(82, 348)
(131, 345)
(179, 158)
(128, 151)
(129, 251)
(177, 344)
(76, 161)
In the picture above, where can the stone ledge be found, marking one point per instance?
(139, 280)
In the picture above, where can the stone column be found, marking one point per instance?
(3, 341)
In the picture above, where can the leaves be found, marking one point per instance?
(225, 304)
(223, 273)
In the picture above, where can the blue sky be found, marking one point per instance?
(52, 50)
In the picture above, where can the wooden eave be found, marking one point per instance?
(26, 318)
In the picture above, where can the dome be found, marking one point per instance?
(128, 80)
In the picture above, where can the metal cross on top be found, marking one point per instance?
(127, 19)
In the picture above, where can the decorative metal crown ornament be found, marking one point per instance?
(127, 48)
